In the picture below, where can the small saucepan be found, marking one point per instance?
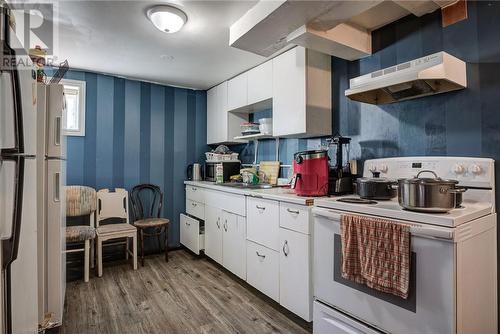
(376, 187)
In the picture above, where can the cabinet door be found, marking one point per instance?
(260, 83)
(295, 273)
(263, 222)
(233, 244)
(263, 269)
(212, 106)
(221, 117)
(237, 92)
(289, 93)
(213, 233)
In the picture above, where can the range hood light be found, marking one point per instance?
(167, 18)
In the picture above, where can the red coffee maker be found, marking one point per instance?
(310, 173)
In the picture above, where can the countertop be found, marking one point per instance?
(277, 194)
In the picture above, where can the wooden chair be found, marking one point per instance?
(81, 201)
(147, 202)
(114, 204)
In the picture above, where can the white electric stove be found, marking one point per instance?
(453, 286)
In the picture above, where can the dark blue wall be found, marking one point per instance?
(462, 123)
(138, 132)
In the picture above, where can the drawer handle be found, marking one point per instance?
(188, 224)
(293, 211)
(194, 189)
(260, 255)
(193, 204)
(218, 223)
(225, 225)
(260, 207)
(286, 249)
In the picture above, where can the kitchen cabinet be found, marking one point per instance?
(237, 95)
(263, 269)
(191, 235)
(222, 126)
(260, 83)
(225, 235)
(302, 94)
(233, 244)
(213, 234)
(295, 273)
(263, 222)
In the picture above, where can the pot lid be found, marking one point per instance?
(428, 180)
(376, 180)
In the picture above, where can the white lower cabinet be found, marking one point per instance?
(263, 222)
(263, 269)
(213, 233)
(233, 244)
(191, 234)
(295, 273)
(225, 235)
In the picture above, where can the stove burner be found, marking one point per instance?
(356, 200)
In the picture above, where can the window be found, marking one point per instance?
(74, 93)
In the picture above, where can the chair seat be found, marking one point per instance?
(79, 233)
(115, 228)
(151, 222)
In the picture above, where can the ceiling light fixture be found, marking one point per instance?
(167, 18)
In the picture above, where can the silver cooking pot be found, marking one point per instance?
(429, 194)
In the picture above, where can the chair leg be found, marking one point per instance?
(99, 257)
(126, 248)
(158, 237)
(134, 248)
(142, 246)
(166, 243)
(92, 253)
(87, 261)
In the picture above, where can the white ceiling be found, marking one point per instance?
(116, 37)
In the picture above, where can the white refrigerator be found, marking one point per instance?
(51, 211)
(18, 198)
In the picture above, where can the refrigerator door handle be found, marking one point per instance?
(18, 113)
(11, 245)
(57, 187)
(57, 134)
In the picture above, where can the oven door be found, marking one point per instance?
(429, 307)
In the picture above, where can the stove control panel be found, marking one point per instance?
(473, 172)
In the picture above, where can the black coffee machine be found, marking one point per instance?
(340, 181)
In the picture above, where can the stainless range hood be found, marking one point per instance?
(433, 74)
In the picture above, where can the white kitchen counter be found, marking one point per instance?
(278, 193)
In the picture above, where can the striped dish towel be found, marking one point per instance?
(376, 252)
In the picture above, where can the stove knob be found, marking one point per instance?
(372, 168)
(459, 169)
(476, 169)
(383, 168)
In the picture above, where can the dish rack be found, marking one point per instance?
(218, 157)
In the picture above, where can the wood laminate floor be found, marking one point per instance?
(189, 294)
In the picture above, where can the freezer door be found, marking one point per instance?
(56, 242)
(10, 113)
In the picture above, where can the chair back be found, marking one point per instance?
(80, 201)
(147, 201)
(112, 204)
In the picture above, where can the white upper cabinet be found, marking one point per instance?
(222, 126)
(260, 83)
(302, 103)
(237, 96)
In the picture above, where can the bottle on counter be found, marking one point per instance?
(219, 174)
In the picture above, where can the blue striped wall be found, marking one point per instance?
(461, 123)
(138, 132)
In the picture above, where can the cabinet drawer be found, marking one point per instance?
(295, 217)
(327, 320)
(263, 222)
(226, 201)
(196, 194)
(191, 234)
(263, 269)
(195, 209)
